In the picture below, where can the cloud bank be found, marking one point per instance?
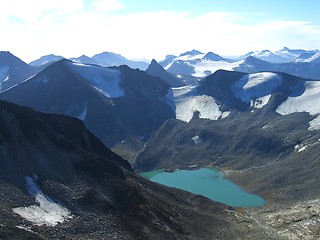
(70, 28)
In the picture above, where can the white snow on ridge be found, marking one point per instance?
(181, 92)
(190, 57)
(105, 80)
(260, 102)
(3, 73)
(4, 76)
(186, 102)
(314, 57)
(256, 88)
(314, 124)
(185, 58)
(47, 213)
(308, 102)
(286, 55)
(208, 65)
(83, 114)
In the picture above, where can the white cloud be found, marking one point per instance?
(72, 28)
(34, 10)
(106, 5)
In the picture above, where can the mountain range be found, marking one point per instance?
(114, 103)
(258, 121)
(105, 59)
(301, 63)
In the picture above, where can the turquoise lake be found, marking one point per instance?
(209, 183)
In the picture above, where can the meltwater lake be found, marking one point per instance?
(209, 182)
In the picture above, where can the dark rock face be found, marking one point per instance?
(59, 89)
(107, 200)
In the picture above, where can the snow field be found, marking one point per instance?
(47, 212)
(256, 88)
(308, 102)
(106, 81)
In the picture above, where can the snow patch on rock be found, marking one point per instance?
(300, 148)
(225, 114)
(186, 102)
(3, 73)
(196, 139)
(106, 81)
(83, 114)
(48, 212)
(314, 124)
(308, 102)
(260, 102)
(256, 89)
(205, 105)
(4, 76)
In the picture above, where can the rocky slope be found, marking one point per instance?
(58, 181)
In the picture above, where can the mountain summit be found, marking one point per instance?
(13, 70)
(155, 69)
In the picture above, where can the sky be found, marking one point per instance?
(146, 29)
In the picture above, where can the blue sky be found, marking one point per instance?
(153, 29)
(307, 10)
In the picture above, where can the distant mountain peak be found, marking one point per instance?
(107, 59)
(85, 60)
(251, 59)
(285, 49)
(212, 56)
(6, 55)
(192, 52)
(170, 56)
(155, 69)
(45, 60)
(153, 61)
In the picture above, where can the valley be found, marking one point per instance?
(253, 117)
